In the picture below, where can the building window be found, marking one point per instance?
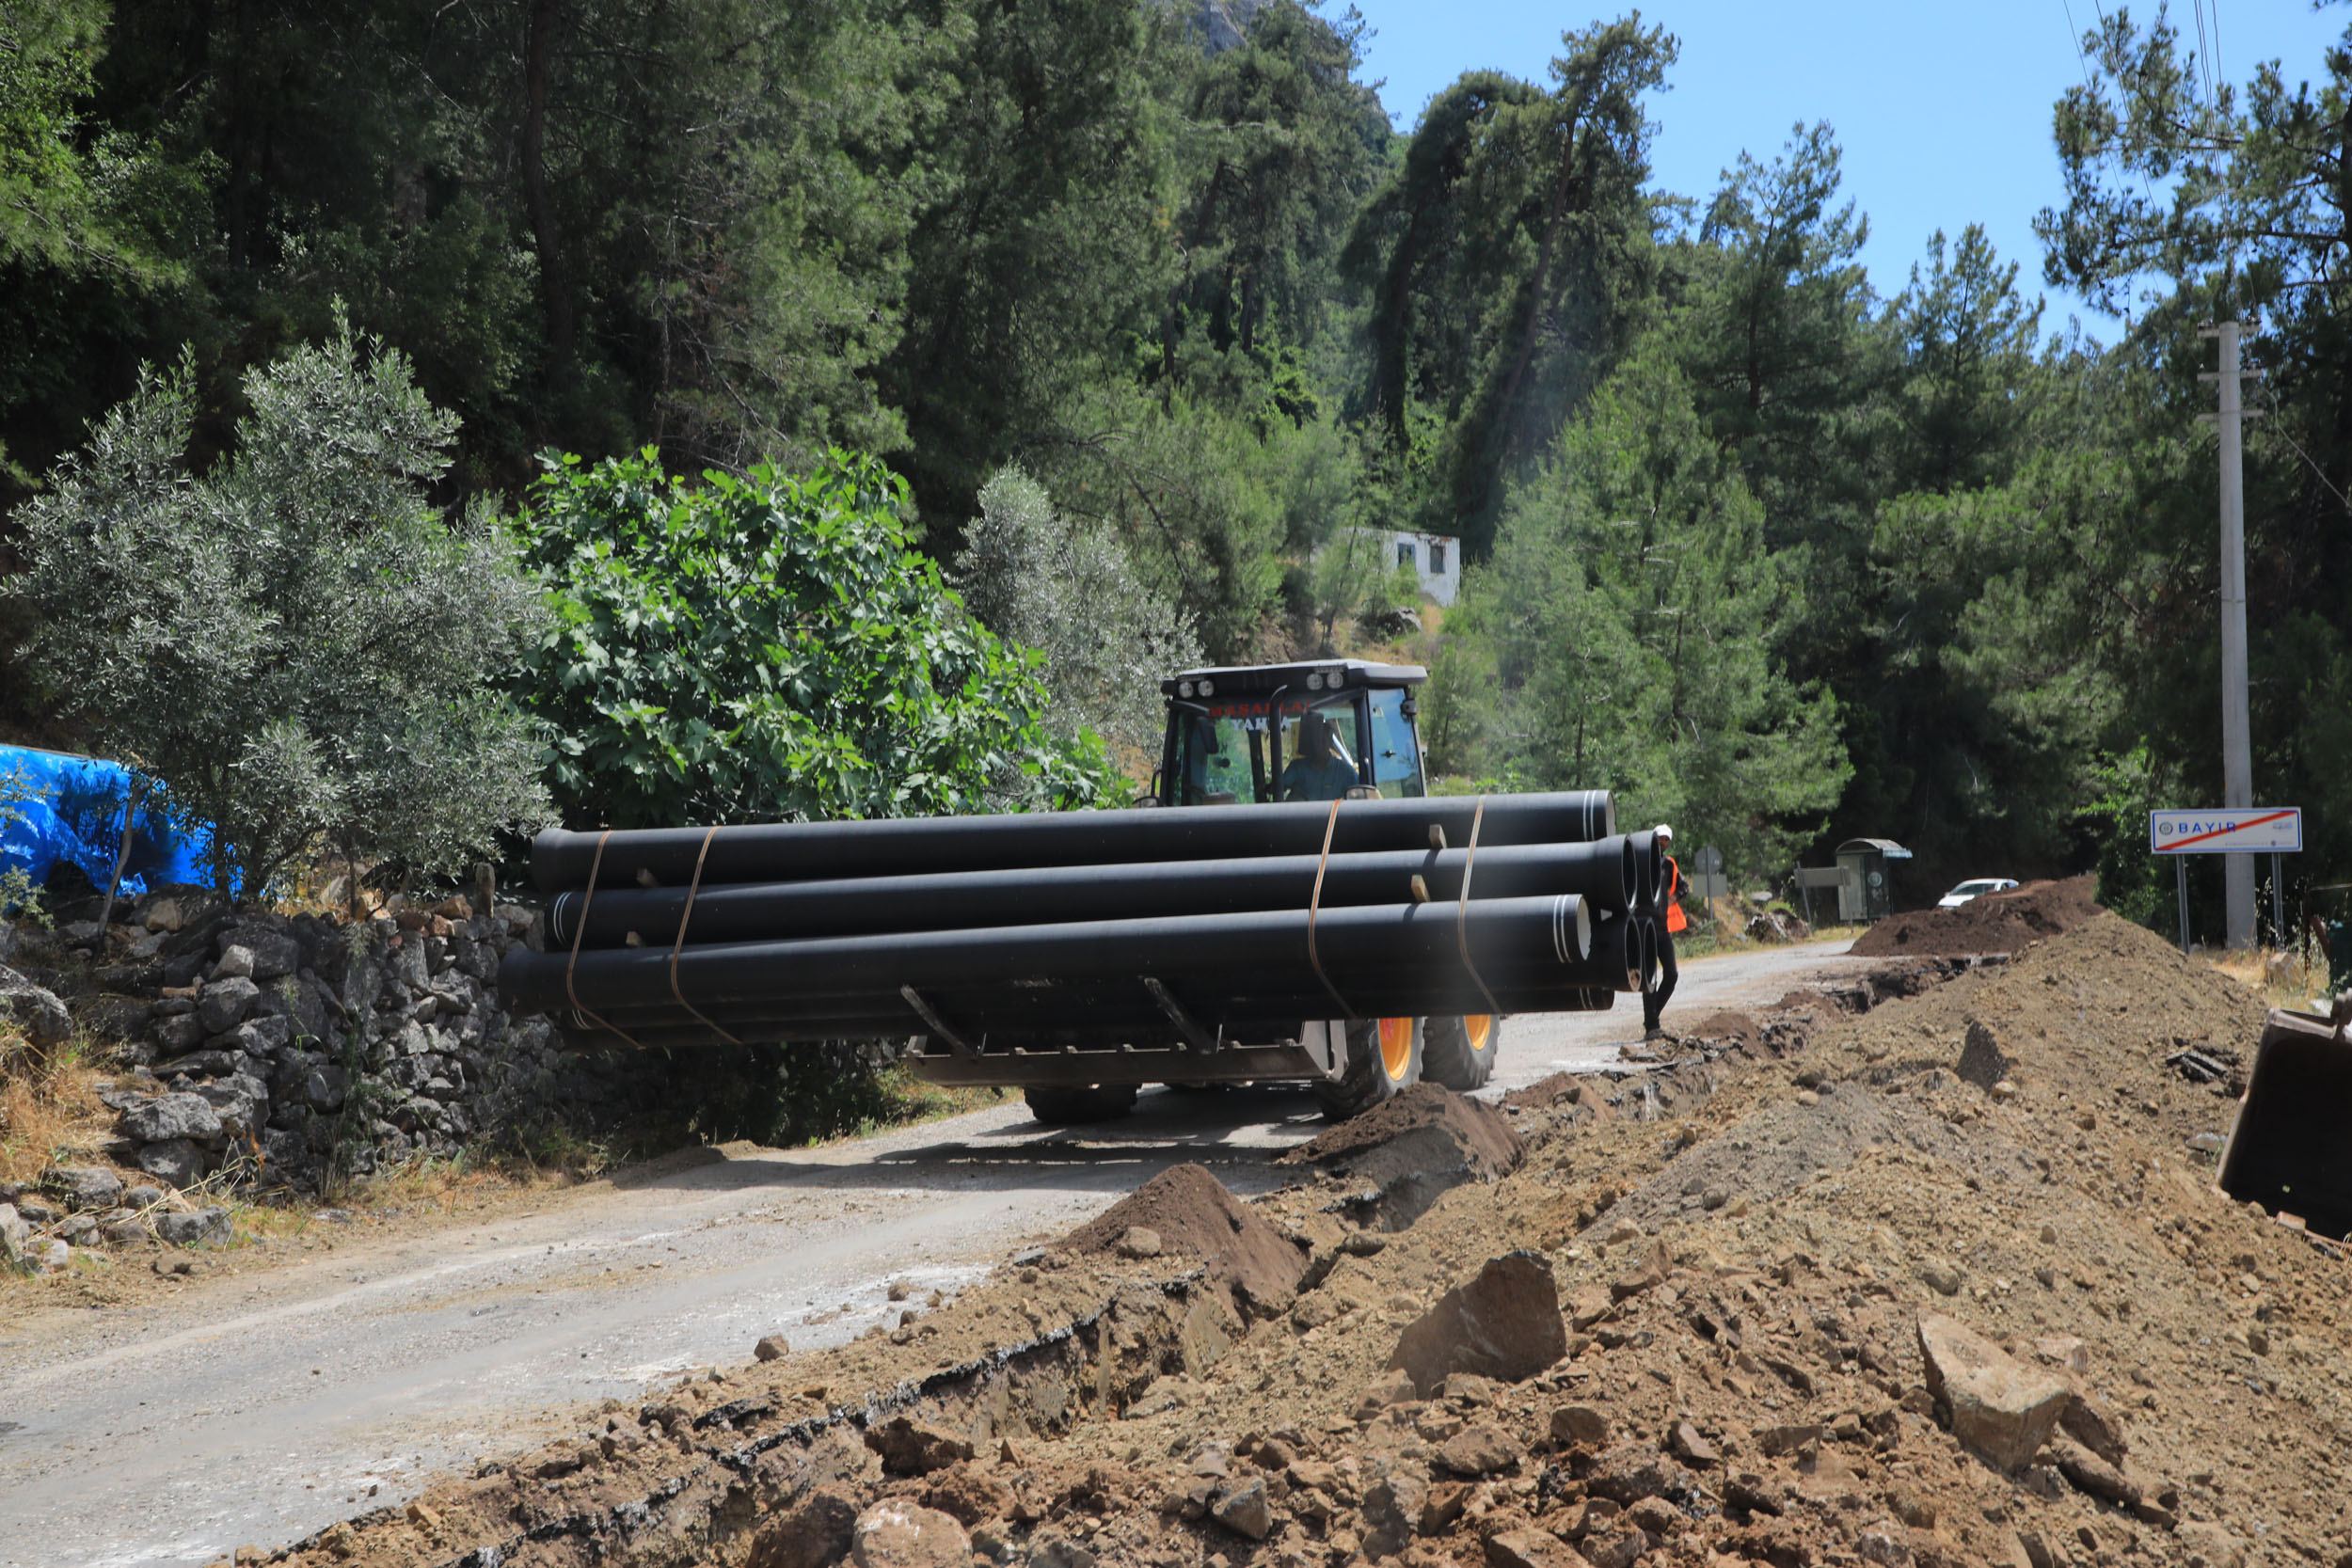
(1404, 554)
(1436, 560)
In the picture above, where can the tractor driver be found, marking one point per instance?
(1319, 773)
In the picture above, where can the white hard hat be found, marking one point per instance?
(1665, 832)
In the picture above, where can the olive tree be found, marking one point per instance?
(295, 644)
(1066, 586)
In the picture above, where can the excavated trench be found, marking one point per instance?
(672, 1482)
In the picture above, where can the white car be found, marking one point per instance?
(1966, 891)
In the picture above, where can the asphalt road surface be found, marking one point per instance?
(255, 1408)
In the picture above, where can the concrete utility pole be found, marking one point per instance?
(2237, 757)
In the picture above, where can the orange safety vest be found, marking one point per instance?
(1675, 919)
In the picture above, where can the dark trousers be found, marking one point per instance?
(1654, 1002)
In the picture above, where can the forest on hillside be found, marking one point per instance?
(1148, 305)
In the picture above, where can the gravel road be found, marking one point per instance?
(255, 1408)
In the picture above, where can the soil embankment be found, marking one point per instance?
(1994, 923)
(1822, 1299)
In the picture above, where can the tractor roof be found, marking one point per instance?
(1330, 672)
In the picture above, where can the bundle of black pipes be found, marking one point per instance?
(1084, 928)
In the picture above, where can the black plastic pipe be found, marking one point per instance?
(1603, 872)
(797, 851)
(1111, 1007)
(1244, 1025)
(694, 1037)
(1421, 939)
(1649, 869)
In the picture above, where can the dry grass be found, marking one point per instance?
(909, 1101)
(2281, 979)
(49, 1109)
(460, 1184)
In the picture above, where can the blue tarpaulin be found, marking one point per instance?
(75, 815)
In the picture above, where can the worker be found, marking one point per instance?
(1670, 895)
(1319, 773)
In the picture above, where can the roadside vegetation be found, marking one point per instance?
(616, 380)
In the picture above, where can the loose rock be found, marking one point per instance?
(1482, 1449)
(1580, 1424)
(172, 1116)
(206, 1226)
(1531, 1548)
(84, 1187)
(34, 1009)
(1244, 1509)
(895, 1533)
(174, 1160)
(1506, 1323)
(1980, 1060)
(815, 1534)
(2091, 1424)
(911, 1448)
(2000, 1407)
(1693, 1448)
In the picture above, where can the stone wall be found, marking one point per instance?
(295, 1044)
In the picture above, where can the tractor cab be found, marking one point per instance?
(1319, 730)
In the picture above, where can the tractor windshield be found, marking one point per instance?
(1225, 755)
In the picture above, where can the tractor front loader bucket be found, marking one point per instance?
(2292, 1148)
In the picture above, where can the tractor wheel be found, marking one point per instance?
(1460, 1053)
(1069, 1107)
(1383, 1059)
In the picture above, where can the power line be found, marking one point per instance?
(2213, 6)
(2277, 423)
(2196, 77)
(2074, 36)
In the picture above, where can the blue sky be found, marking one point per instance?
(1943, 110)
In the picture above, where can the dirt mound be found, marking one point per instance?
(1743, 1277)
(1193, 1215)
(1472, 1123)
(1404, 1153)
(1734, 1028)
(1996, 922)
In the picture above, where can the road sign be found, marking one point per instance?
(1707, 862)
(2261, 831)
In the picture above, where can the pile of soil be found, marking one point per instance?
(1737, 1029)
(1405, 1153)
(1193, 1216)
(1994, 923)
(1744, 1251)
(1471, 1125)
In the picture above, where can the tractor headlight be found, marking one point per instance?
(1183, 688)
(1314, 681)
(1208, 689)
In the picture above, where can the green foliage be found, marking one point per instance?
(1286, 144)
(1223, 316)
(1967, 339)
(62, 192)
(1356, 577)
(1777, 338)
(2216, 205)
(1208, 498)
(19, 899)
(1038, 257)
(1503, 257)
(295, 646)
(1065, 586)
(1629, 610)
(770, 648)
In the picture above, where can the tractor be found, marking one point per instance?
(1318, 730)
